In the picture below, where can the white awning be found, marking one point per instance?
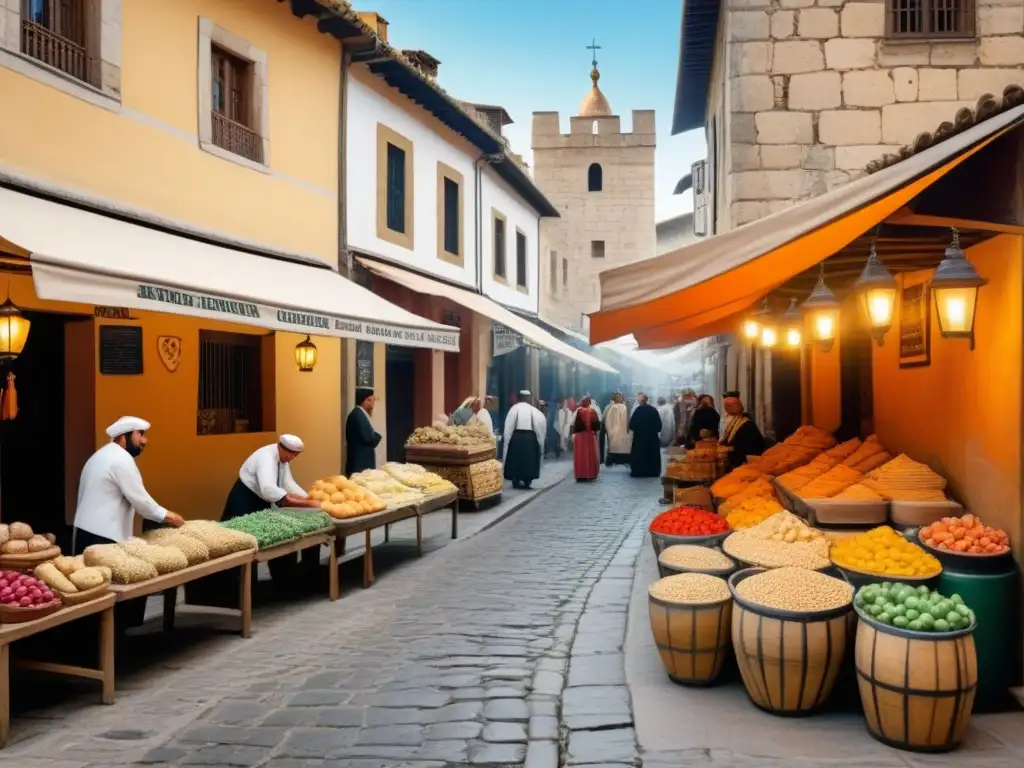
(90, 258)
(482, 305)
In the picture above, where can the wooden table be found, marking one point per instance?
(169, 582)
(305, 542)
(9, 633)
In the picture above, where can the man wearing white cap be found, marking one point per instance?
(265, 480)
(111, 492)
(525, 431)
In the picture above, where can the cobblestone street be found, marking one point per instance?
(503, 649)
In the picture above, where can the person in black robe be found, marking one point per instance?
(645, 453)
(704, 419)
(360, 436)
(740, 432)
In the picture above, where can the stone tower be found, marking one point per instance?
(602, 182)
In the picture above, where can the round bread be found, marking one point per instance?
(21, 531)
(15, 547)
(38, 544)
(5, 533)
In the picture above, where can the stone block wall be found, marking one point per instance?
(621, 214)
(815, 91)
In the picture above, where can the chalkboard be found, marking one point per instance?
(364, 364)
(121, 350)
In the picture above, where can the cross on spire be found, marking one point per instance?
(594, 48)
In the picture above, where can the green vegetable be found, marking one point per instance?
(276, 526)
(911, 614)
(941, 625)
(915, 608)
(915, 625)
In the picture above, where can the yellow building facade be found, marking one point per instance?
(216, 117)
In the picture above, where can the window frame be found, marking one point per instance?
(407, 240)
(445, 173)
(968, 13)
(496, 216)
(523, 275)
(102, 43)
(594, 248)
(211, 36)
(258, 390)
(595, 181)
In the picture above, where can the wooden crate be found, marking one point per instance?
(471, 484)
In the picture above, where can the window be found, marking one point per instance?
(597, 249)
(449, 215)
(500, 267)
(54, 32)
(565, 274)
(594, 178)
(233, 107)
(521, 282)
(232, 97)
(926, 19)
(231, 375)
(395, 191)
(553, 273)
(594, 127)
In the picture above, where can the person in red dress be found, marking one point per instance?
(585, 429)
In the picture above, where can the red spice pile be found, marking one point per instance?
(689, 521)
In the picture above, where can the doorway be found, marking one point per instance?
(32, 444)
(787, 405)
(400, 404)
(856, 385)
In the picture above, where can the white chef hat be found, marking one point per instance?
(292, 443)
(524, 393)
(127, 424)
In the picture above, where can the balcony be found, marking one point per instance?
(50, 48)
(237, 138)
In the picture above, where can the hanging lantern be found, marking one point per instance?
(769, 336)
(752, 325)
(305, 355)
(824, 311)
(792, 321)
(877, 289)
(13, 331)
(955, 285)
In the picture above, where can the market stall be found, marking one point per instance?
(466, 456)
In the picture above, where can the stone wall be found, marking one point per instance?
(816, 91)
(621, 214)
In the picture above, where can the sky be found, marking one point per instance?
(531, 56)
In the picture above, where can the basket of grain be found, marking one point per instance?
(790, 629)
(690, 615)
(691, 558)
(781, 540)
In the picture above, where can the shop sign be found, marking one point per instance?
(113, 313)
(505, 340)
(364, 364)
(216, 307)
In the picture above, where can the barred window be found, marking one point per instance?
(929, 19)
(230, 383)
(53, 31)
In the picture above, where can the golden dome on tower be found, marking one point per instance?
(595, 104)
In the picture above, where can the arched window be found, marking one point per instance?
(594, 178)
(594, 127)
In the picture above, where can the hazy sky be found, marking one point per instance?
(530, 56)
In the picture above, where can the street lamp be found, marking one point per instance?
(824, 311)
(13, 331)
(877, 289)
(955, 285)
(306, 355)
(792, 320)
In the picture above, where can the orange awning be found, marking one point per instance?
(696, 291)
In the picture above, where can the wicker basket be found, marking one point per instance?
(484, 478)
(84, 596)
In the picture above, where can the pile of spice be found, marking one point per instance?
(690, 589)
(689, 521)
(695, 557)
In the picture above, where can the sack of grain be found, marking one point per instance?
(164, 559)
(219, 540)
(192, 548)
(124, 568)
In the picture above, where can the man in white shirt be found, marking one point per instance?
(525, 431)
(111, 492)
(265, 480)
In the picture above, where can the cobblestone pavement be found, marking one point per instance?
(502, 650)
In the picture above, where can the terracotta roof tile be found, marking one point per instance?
(988, 106)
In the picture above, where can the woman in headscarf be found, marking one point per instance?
(585, 429)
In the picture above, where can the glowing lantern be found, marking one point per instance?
(13, 331)
(305, 355)
(877, 290)
(824, 311)
(955, 285)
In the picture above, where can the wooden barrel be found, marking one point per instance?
(693, 640)
(917, 688)
(789, 662)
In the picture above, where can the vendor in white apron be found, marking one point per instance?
(265, 480)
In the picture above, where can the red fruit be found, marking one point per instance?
(3, 583)
(6, 591)
(47, 596)
(20, 592)
(35, 592)
(29, 581)
(25, 602)
(6, 599)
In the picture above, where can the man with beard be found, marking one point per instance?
(110, 491)
(360, 435)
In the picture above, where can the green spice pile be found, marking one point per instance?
(276, 526)
(917, 608)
